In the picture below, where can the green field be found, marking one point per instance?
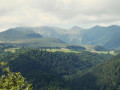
(13, 50)
(104, 52)
(68, 50)
(62, 50)
(93, 51)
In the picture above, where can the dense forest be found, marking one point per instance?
(105, 76)
(59, 70)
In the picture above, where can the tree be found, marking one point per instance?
(13, 81)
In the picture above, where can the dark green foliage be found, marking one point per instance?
(75, 48)
(4, 56)
(108, 74)
(12, 81)
(6, 45)
(59, 61)
(99, 48)
(52, 70)
(105, 76)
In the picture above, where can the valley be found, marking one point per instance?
(59, 44)
(51, 58)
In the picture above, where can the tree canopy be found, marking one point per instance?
(12, 80)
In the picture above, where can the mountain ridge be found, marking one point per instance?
(107, 37)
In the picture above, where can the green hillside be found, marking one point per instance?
(51, 70)
(13, 34)
(105, 76)
(26, 37)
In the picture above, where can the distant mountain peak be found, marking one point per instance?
(76, 27)
(113, 26)
(97, 26)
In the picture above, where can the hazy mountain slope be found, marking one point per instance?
(27, 37)
(105, 36)
(18, 33)
(40, 42)
(53, 32)
(71, 36)
(109, 37)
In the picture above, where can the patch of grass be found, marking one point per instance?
(67, 51)
(112, 52)
(104, 52)
(93, 51)
(62, 50)
(13, 50)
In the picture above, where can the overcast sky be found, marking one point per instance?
(61, 13)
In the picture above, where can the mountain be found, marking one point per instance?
(108, 37)
(19, 33)
(53, 32)
(27, 37)
(76, 28)
(71, 36)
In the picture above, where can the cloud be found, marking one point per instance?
(58, 12)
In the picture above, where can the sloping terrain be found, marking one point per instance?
(27, 37)
(18, 33)
(105, 76)
(108, 37)
(53, 70)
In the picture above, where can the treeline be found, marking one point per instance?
(76, 48)
(53, 70)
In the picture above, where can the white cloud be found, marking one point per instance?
(65, 1)
(58, 12)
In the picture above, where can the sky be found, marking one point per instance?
(60, 13)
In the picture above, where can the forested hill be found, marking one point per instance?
(51, 70)
(18, 34)
(105, 76)
(108, 74)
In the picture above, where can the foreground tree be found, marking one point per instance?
(13, 81)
